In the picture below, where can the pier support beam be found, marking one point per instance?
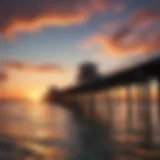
(129, 104)
(92, 107)
(110, 110)
(146, 109)
(158, 102)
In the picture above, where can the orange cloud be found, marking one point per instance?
(3, 76)
(138, 33)
(25, 67)
(27, 15)
(13, 94)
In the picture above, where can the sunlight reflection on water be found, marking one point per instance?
(43, 132)
(36, 129)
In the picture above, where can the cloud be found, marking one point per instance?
(25, 67)
(28, 15)
(3, 76)
(138, 33)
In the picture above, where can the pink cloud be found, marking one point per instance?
(28, 15)
(4, 76)
(138, 33)
(25, 67)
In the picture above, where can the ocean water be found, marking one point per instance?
(36, 131)
(30, 131)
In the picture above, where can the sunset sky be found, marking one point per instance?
(43, 41)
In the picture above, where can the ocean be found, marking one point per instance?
(36, 131)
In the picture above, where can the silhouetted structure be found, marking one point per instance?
(87, 73)
(137, 116)
(52, 95)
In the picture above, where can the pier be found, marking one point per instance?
(126, 103)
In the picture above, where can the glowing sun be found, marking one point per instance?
(34, 96)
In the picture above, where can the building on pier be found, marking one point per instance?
(88, 72)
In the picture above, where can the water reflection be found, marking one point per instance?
(43, 132)
(140, 140)
(34, 131)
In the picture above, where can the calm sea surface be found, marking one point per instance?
(36, 131)
(50, 132)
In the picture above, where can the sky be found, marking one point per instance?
(42, 42)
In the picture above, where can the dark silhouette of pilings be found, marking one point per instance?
(77, 107)
(92, 107)
(110, 106)
(129, 104)
(158, 101)
(106, 105)
(146, 114)
(139, 75)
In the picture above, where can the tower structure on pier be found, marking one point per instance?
(87, 72)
